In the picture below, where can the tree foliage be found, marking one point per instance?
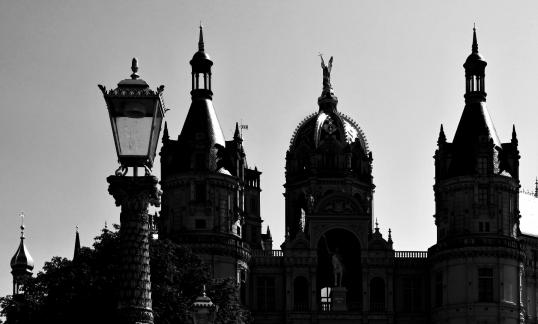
(85, 290)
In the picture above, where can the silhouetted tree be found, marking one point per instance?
(85, 291)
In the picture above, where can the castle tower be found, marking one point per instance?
(210, 197)
(22, 264)
(328, 199)
(476, 214)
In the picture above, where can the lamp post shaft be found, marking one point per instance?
(134, 195)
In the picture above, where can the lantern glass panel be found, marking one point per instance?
(156, 130)
(133, 135)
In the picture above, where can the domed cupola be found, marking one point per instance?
(475, 67)
(328, 139)
(201, 68)
(22, 263)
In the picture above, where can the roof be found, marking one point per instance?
(313, 124)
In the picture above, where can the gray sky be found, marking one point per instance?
(397, 71)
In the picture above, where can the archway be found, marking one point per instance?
(342, 245)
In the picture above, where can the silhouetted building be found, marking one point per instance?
(334, 265)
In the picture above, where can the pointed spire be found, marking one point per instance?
(201, 40)
(237, 134)
(390, 237)
(76, 253)
(536, 188)
(268, 233)
(514, 135)
(376, 226)
(166, 136)
(442, 136)
(475, 42)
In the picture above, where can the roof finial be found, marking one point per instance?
(21, 214)
(203, 292)
(390, 236)
(134, 68)
(201, 40)
(475, 43)
(536, 188)
(106, 225)
(376, 225)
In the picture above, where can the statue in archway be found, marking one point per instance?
(337, 263)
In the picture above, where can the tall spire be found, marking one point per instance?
(475, 42)
(76, 253)
(536, 188)
(201, 40)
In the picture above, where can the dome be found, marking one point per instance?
(473, 57)
(200, 56)
(316, 125)
(22, 260)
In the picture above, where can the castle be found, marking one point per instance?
(334, 265)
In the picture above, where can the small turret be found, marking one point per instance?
(22, 263)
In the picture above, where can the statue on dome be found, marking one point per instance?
(327, 87)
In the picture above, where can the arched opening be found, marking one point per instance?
(300, 294)
(377, 295)
(339, 265)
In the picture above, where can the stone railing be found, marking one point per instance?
(267, 253)
(411, 254)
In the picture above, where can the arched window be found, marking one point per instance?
(300, 294)
(377, 295)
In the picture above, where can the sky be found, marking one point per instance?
(397, 71)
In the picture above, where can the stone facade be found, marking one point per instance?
(334, 265)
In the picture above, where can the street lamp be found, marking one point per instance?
(136, 114)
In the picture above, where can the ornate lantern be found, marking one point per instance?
(136, 113)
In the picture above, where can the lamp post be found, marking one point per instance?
(136, 113)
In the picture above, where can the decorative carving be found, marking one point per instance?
(338, 206)
(134, 195)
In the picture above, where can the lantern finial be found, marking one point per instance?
(134, 68)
